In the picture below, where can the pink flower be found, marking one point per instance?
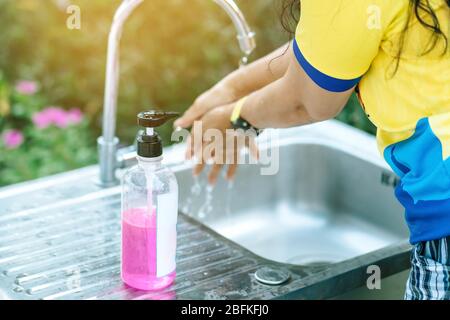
(27, 88)
(41, 120)
(74, 116)
(57, 116)
(12, 138)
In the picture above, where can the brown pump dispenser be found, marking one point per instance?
(149, 144)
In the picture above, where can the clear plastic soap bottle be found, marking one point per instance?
(149, 212)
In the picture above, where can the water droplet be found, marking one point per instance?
(41, 234)
(196, 188)
(21, 275)
(207, 206)
(228, 202)
(243, 293)
(18, 289)
(85, 269)
(187, 206)
(243, 61)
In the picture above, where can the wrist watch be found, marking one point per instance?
(237, 122)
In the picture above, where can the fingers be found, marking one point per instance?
(196, 111)
(231, 172)
(188, 154)
(215, 149)
(214, 173)
(198, 168)
(194, 145)
(218, 95)
(193, 148)
(253, 149)
(188, 118)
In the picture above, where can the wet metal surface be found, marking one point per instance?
(60, 236)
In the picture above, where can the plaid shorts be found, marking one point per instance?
(430, 271)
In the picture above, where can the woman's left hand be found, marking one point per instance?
(204, 147)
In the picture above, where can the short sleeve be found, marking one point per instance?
(337, 40)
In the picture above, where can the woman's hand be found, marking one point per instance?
(219, 95)
(238, 84)
(203, 144)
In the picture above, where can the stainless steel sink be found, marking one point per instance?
(327, 204)
(327, 215)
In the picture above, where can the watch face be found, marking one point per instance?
(244, 125)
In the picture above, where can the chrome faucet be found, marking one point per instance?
(109, 157)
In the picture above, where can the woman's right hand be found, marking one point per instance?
(238, 84)
(221, 94)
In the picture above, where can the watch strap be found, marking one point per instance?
(237, 121)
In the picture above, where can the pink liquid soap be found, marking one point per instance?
(139, 251)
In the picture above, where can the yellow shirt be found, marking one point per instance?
(343, 43)
(349, 39)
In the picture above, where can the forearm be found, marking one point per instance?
(271, 107)
(259, 73)
(292, 100)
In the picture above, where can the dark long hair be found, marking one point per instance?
(290, 15)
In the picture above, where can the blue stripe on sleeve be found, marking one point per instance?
(321, 79)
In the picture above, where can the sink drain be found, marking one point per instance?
(272, 275)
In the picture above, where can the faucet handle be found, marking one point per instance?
(153, 119)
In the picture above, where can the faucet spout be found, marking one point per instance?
(245, 36)
(108, 142)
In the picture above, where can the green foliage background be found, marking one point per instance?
(172, 50)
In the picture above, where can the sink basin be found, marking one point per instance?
(326, 204)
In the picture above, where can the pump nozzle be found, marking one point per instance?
(149, 142)
(153, 119)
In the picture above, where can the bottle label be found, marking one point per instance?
(166, 241)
